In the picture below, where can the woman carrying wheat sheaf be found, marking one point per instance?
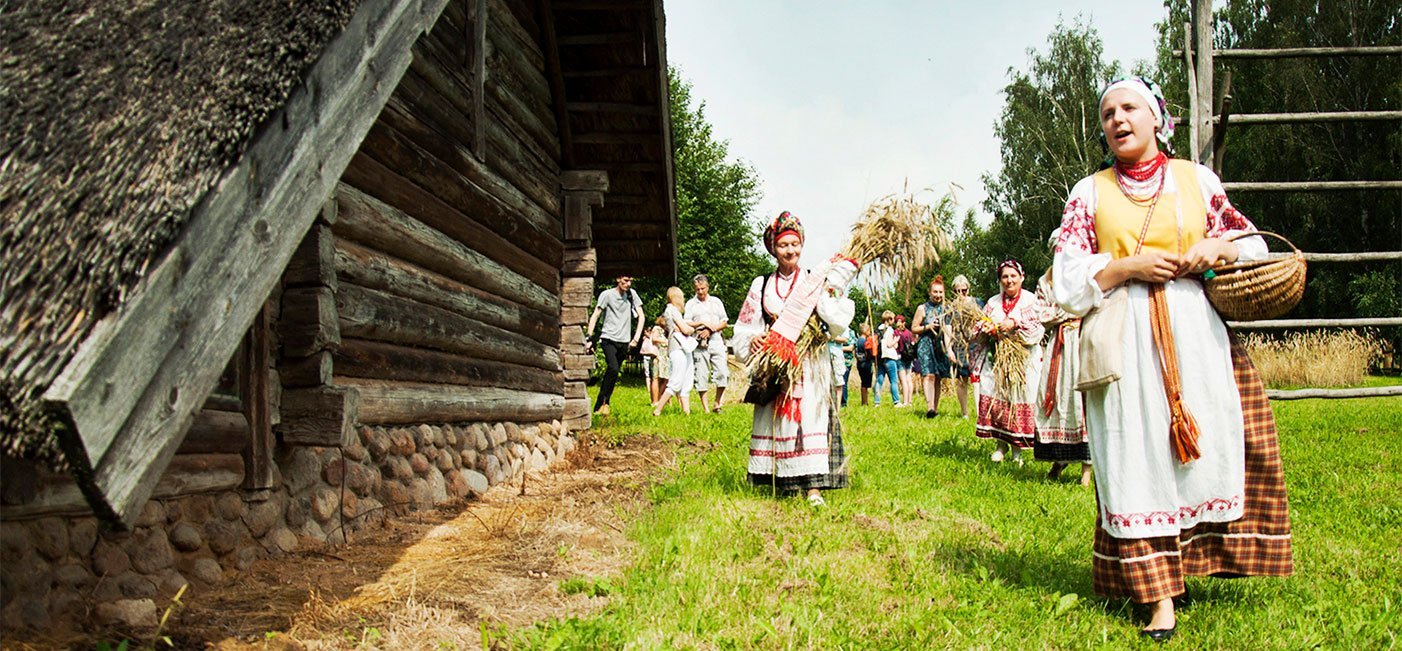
(1009, 360)
(796, 438)
(1187, 469)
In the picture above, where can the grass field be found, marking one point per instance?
(933, 546)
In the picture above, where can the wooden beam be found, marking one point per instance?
(477, 22)
(187, 474)
(615, 138)
(360, 358)
(322, 417)
(1309, 186)
(1315, 323)
(612, 107)
(1202, 45)
(553, 72)
(413, 402)
(137, 381)
(1365, 256)
(223, 432)
(1322, 116)
(378, 316)
(606, 38)
(658, 48)
(1299, 52)
(375, 223)
(1191, 68)
(367, 267)
(1365, 392)
(614, 71)
(255, 366)
(584, 180)
(306, 372)
(594, 5)
(308, 321)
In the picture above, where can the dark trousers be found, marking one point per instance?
(614, 353)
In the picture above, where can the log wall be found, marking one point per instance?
(448, 241)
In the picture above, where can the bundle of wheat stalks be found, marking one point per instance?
(894, 241)
(1009, 361)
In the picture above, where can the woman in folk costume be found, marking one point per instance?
(796, 438)
(1061, 421)
(1006, 402)
(1187, 467)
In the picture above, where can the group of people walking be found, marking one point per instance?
(1115, 360)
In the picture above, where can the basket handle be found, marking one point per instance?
(1279, 237)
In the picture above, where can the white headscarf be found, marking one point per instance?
(1153, 96)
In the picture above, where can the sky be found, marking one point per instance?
(836, 103)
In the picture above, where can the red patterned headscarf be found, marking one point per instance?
(782, 225)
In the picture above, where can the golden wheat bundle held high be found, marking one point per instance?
(894, 241)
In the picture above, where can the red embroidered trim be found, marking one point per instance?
(1017, 419)
(789, 455)
(1077, 228)
(1186, 513)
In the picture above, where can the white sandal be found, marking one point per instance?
(817, 501)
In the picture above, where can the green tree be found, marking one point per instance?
(718, 233)
(1049, 137)
(1340, 151)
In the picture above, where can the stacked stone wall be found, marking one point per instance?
(64, 571)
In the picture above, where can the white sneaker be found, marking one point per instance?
(997, 456)
(817, 501)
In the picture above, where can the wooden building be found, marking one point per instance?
(244, 239)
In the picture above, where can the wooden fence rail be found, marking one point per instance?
(1298, 52)
(1316, 323)
(1309, 186)
(1320, 116)
(1366, 392)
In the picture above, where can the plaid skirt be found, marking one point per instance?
(1151, 569)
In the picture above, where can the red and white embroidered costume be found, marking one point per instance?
(1010, 419)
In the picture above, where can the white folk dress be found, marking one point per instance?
(1143, 491)
(1061, 421)
(796, 440)
(1010, 418)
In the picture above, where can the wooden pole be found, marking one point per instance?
(1202, 40)
(1219, 136)
(1326, 116)
(1315, 323)
(1309, 186)
(1192, 90)
(1367, 392)
(1296, 52)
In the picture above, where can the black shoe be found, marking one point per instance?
(1159, 634)
(930, 414)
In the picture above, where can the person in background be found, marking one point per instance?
(889, 361)
(1061, 420)
(1006, 403)
(933, 347)
(681, 344)
(961, 332)
(712, 366)
(905, 348)
(649, 352)
(848, 359)
(622, 313)
(836, 343)
(664, 361)
(864, 354)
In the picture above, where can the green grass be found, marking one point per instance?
(933, 546)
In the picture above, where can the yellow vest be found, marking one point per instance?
(1118, 220)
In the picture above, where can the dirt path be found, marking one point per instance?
(434, 579)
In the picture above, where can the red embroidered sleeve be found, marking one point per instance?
(749, 310)
(1222, 216)
(1077, 228)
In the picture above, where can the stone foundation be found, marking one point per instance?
(63, 571)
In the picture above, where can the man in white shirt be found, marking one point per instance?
(707, 313)
(622, 311)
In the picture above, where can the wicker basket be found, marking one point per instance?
(1263, 289)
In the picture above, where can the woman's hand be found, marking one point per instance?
(1007, 326)
(1151, 267)
(756, 344)
(1206, 254)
